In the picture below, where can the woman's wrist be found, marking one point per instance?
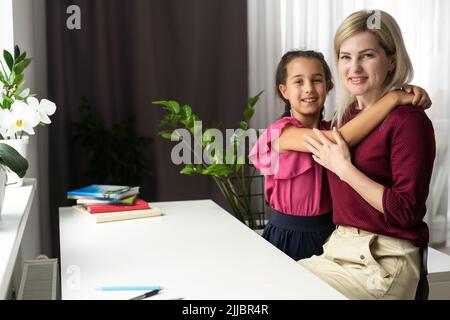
(346, 171)
(392, 99)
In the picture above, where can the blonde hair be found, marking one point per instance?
(390, 39)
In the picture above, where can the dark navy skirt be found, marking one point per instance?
(299, 237)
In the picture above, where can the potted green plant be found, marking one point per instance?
(10, 159)
(20, 110)
(228, 167)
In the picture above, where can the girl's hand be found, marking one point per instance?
(401, 97)
(335, 157)
(420, 98)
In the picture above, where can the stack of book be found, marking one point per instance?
(112, 203)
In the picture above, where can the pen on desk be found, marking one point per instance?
(146, 295)
(129, 288)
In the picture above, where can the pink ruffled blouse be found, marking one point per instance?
(294, 183)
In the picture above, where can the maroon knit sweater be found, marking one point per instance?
(398, 154)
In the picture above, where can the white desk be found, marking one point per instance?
(13, 219)
(196, 250)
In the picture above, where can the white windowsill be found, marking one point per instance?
(13, 219)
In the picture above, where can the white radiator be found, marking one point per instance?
(39, 279)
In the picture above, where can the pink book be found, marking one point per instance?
(139, 204)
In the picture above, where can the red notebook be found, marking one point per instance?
(139, 204)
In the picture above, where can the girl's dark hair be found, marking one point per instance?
(281, 73)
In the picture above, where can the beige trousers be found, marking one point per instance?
(363, 265)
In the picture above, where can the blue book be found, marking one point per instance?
(101, 191)
(129, 201)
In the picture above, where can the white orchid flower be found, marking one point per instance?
(45, 108)
(24, 118)
(6, 120)
(48, 107)
(33, 103)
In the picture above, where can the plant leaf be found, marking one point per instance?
(174, 121)
(189, 170)
(165, 120)
(171, 105)
(243, 125)
(12, 77)
(16, 52)
(6, 104)
(25, 93)
(6, 98)
(198, 169)
(19, 80)
(161, 102)
(187, 110)
(9, 59)
(174, 106)
(220, 170)
(13, 160)
(21, 57)
(248, 114)
(20, 67)
(253, 100)
(167, 134)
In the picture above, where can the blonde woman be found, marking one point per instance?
(380, 188)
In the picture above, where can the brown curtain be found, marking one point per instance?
(129, 53)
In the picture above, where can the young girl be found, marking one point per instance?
(296, 187)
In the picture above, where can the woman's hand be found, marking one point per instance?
(335, 157)
(413, 95)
